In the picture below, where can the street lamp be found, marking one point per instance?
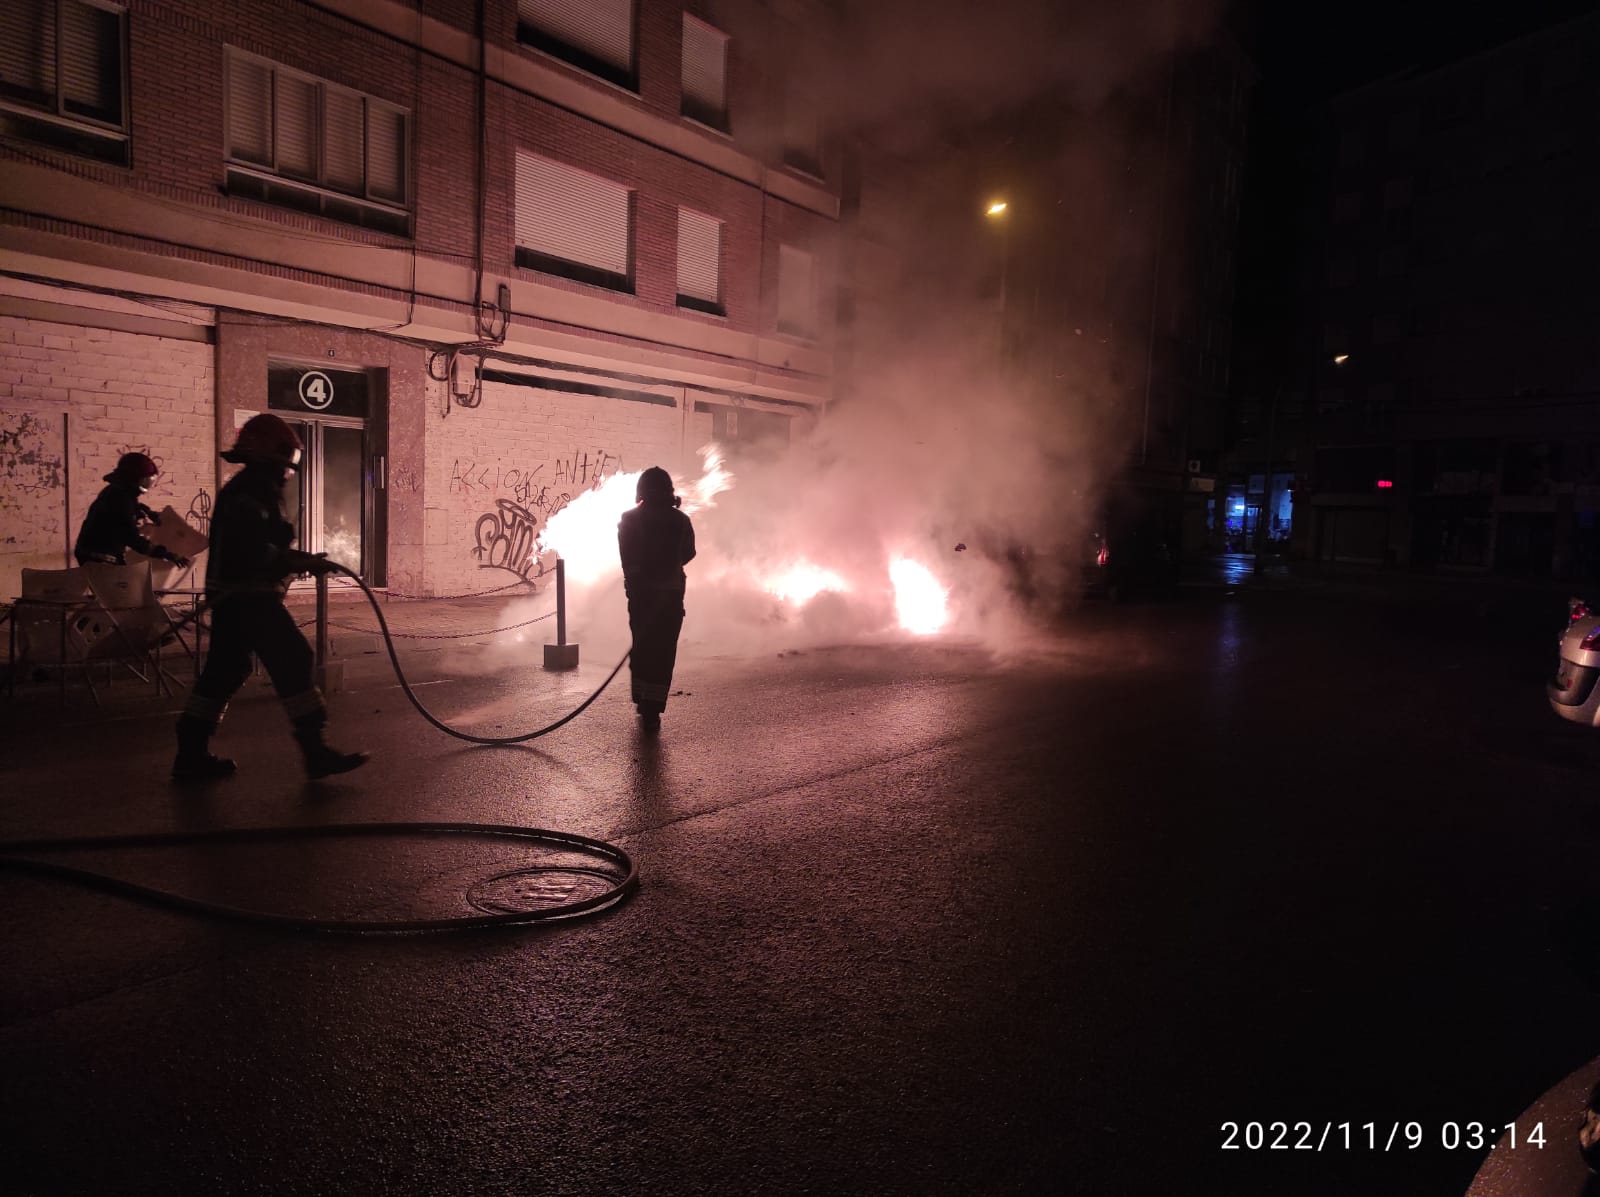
(998, 211)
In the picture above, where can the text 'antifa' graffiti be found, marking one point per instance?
(506, 538)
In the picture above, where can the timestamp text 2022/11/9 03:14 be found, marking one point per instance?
(1380, 1136)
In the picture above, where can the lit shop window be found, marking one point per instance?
(574, 224)
(64, 75)
(305, 143)
(594, 35)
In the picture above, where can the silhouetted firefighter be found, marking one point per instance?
(111, 526)
(656, 541)
(246, 579)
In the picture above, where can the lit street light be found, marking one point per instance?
(997, 211)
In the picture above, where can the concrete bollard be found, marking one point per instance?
(561, 655)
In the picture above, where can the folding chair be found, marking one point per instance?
(53, 623)
(139, 624)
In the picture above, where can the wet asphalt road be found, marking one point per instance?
(915, 919)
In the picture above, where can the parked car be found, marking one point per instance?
(1573, 693)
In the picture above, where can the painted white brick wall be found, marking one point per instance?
(497, 471)
(119, 391)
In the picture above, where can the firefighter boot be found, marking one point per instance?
(194, 762)
(321, 760)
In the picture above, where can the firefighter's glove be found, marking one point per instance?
(315, 564)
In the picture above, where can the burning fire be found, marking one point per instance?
(584, 533)
(920, 602)
(802, 581)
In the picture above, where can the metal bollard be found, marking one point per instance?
(561, 655)
(328, 677)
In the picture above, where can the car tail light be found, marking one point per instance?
(1103, 556)
(1577, 609)
(1591, 642)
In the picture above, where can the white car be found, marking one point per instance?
(1573, 694)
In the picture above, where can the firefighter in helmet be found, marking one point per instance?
(246, 577)
(655, 540)
(111, 526)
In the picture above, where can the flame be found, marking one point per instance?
(920, 602)
(801, 581)
(584, 532)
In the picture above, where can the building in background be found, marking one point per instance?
(1438, 405)
(482, 254)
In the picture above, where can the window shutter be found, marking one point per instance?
(91, 62)
(602, 29)
(699, 256)
(797, 303)
(249, 110)
(386, 153)
(343, 160)
(570, 214)
(296, 110)
(705, 63)
(28, 50)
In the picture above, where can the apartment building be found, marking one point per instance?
(482, 253)
(1444, 405)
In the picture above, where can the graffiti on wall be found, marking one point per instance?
(199, 513)
(507, 536)
(33, 477)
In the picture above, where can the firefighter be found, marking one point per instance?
(656, 540)
(246, 579)
(112, 525)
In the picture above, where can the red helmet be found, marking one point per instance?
(134, 469)
(265, 440)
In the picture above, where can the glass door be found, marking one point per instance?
(330, 501)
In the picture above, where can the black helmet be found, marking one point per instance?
(265, 440)
(135, 470)
(655, 483)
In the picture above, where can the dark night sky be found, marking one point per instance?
(1313, 50)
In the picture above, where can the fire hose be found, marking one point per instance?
(394, 660)
(619, 880)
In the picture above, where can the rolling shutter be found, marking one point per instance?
(797, 294)
(344, 164)
(602, 29)
(386, 153)
(249, 110)
(705, 67)
(28, 49)
(567, 213)
(699, 256)
(296, 110)
(91, 62)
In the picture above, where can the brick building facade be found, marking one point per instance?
(482, 274)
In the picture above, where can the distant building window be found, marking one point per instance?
(594, 35)
(1347, 207)
(699, 262)
(1387, 328)
(705, 73)
(797, 292)
(572, 223)
(802, 133)
(63, 75)
(1352, 148)
(305, 143)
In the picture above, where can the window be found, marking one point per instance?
(574, 224)
(699, 262)
(309, 144)
(802, 133)
(797, 292)
(1347, 207)
(63, 75)
(594, 35)
(705, 71)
